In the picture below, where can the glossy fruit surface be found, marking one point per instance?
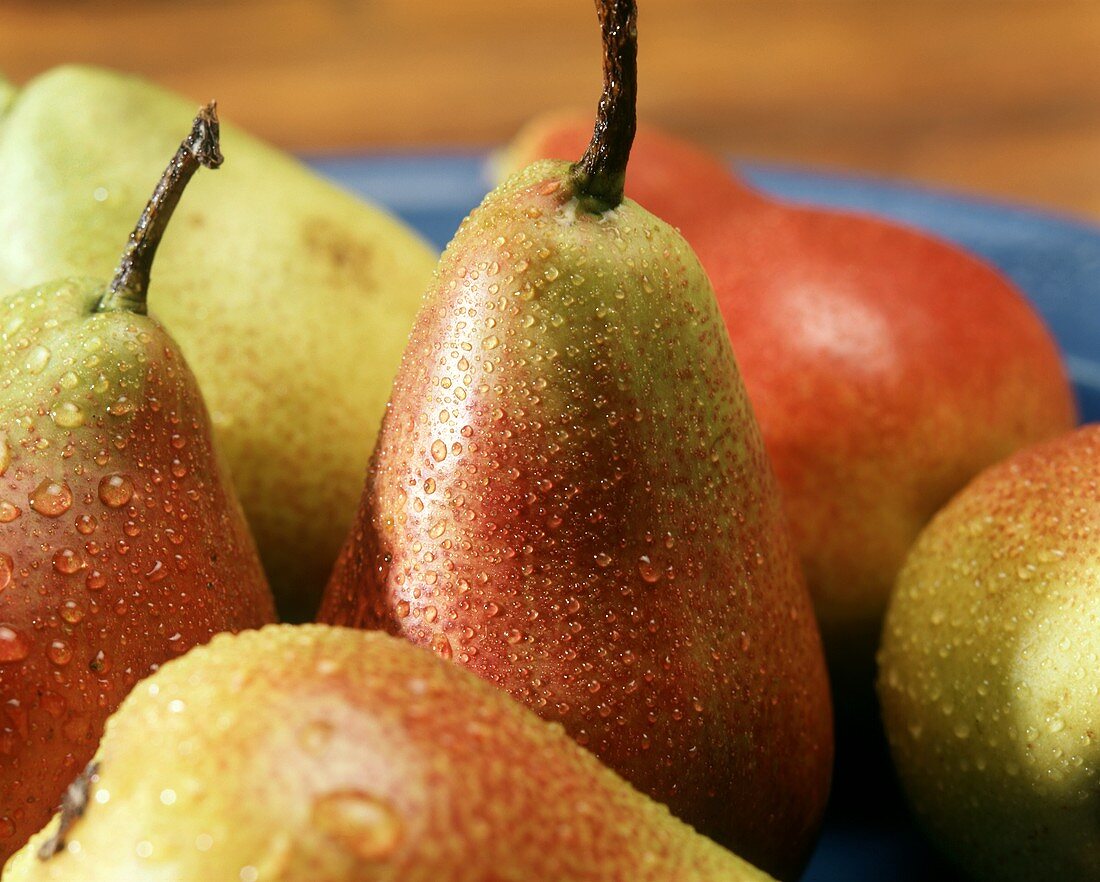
(570, 497)
(988, 668)
(291, 300)
(356, 758)
(122, 544)
(886, 367)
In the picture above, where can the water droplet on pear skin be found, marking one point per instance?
(51, 498)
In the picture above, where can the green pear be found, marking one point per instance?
(7, 94)
(332, 755)
(316, 293)
(989, 668)
(570, 496)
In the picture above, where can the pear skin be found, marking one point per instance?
(886, 368)
(571, 498)
(122, 544)
(316, 292)
(7, 95)
(355, 757)
(988, 668)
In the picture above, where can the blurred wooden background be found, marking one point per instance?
(993, 96)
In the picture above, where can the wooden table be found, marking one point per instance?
(995, 96)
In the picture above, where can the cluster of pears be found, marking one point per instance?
(276, 285)
(569, 497)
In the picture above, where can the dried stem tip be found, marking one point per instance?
(599, 176)
(130, 286)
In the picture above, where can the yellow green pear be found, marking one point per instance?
(318, 754)
(316, 293)
(989, 671)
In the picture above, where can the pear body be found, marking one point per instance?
(886, 368)
(570, 497)
(122, 544)
(316, 294)
(987, 671)
(358, 758)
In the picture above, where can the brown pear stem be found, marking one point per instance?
(600, 175)
(130, 285)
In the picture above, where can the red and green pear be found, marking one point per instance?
(886, 367)
(988, 668)
(351, 757)
(122, 543)
(570, 497)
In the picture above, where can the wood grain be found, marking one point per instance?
(994, 96)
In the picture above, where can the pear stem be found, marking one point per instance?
(130, 286)
(600, 175)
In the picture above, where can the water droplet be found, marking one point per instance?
(5, 454)
(37, 359)
(358, 822)
(85, 524)
(647, 570)
(115, 490)
(442, 645)
(121, 406)
(95, 580)
(490, 342)
(60, 652)
(51, 498)
(7, 568)
(67, 561)
(13, 645)
(71, 611)
(8, 512)
(439, 450)
(430, 614)
(603, 560)
(67, 415)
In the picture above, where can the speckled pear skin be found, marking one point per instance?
(886, 367)
(355, 757)
(122, 544)
(570, 497)
(316, 294)
(988, 668)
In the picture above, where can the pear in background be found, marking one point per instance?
(989, 668)
(354, 757)
(121, 542)
(570, 497)
(291, 300)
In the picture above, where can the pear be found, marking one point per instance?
(988, 668)
(356, 758)
(7, 94)
(570, 497)
(314, 285)
(121, 541)
(880, 385)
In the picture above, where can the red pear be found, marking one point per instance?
(571, 498)
(122, 544)
(886, 367)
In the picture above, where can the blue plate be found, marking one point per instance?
(1054, 260)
